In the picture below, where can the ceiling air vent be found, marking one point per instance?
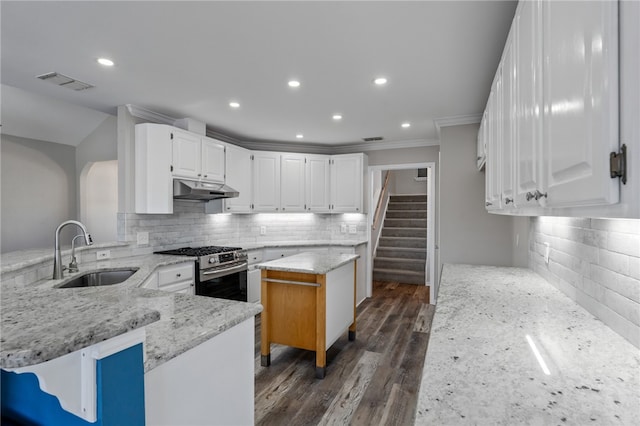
(375, 138)
(64, 81)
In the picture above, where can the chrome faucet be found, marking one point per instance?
(73, 265)
(57, 255)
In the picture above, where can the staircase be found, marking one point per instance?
(402, 248)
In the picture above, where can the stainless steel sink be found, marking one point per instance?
(100, 278)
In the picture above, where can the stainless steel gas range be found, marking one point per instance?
(220, 271)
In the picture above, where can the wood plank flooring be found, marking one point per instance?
(371, 381)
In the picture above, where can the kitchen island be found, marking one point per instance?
(507, 347)
(181, 338)
(309, 301)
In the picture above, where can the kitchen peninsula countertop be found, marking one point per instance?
(480, 368)
(309, 263)
(41, 322)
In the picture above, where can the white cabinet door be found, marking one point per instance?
(266, 181)
(186, 155)
(153, 179)
(292, 182)
(492, 169)
(346, 183)
(580, 78)
(528, 103)
(317, 183)
(238, 176)
(508, 125)
(212, 160)
(253, 286)
(481, 154)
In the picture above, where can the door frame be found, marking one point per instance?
(431, 276)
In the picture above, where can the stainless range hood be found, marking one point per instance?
(202, 191)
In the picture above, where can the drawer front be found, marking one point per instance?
(175, 273)
(185, 287)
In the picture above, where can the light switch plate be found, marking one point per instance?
(104, 254)
(343, 228)
(547, 250)
(143, 238)
(263, 230)
(353, 229)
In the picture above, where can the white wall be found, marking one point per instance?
(403, 182)
(38, 192)
(468, 234)
(99, 200)
(596, 262)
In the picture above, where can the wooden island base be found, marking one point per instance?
(307, 311)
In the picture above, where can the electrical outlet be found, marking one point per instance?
(547, 250)
(343, 228)
(353, 229)
(263, 230)
(143, 238)
(105, 254)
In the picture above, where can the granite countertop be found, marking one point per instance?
(41, 322)
(480, 368)
(309, 263)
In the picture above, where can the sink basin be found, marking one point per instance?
(100, 278)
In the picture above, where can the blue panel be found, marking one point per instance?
(120, 379)
(120, 392)
(25, 404)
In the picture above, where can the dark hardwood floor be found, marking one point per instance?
(373, 380)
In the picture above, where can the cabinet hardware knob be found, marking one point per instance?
(488, 203)
(178, 275)
(205, 175)
(282, 209)
(199, 174)
(228, 208)
(529, 196)
(508, 200)
(539, 195)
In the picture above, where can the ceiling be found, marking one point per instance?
(190, 59)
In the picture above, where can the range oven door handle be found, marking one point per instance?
(221, 272)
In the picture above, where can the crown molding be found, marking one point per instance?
(148, 115)
(306, 148)
(457, 120)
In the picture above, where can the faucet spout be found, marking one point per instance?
(57, 255)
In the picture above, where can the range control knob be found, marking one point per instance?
(213, 260)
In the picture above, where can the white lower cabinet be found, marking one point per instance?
(178, 278)
(211, 384)
(253, 285)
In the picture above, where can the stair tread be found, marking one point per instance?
(399, 259)
(403, 238)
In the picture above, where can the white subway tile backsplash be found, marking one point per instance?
(596, 262)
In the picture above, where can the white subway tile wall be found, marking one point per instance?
(190, 225)
(596, 262)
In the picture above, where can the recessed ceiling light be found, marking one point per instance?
(405, 125)
(106, 62)
(299, 136)
(294, 83)
(234, 104)
(337, 116)
(380, 81)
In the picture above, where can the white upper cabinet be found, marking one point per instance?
(492, 169)
(212, 160)
(292, 182)
(346, 183)
(580, 80)
(508, 123)
(186, 154)
(317, 183)
(239, 170)
(197, 157)
(153, 176)
(555, 106)
(266, 181)
(528, 103)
